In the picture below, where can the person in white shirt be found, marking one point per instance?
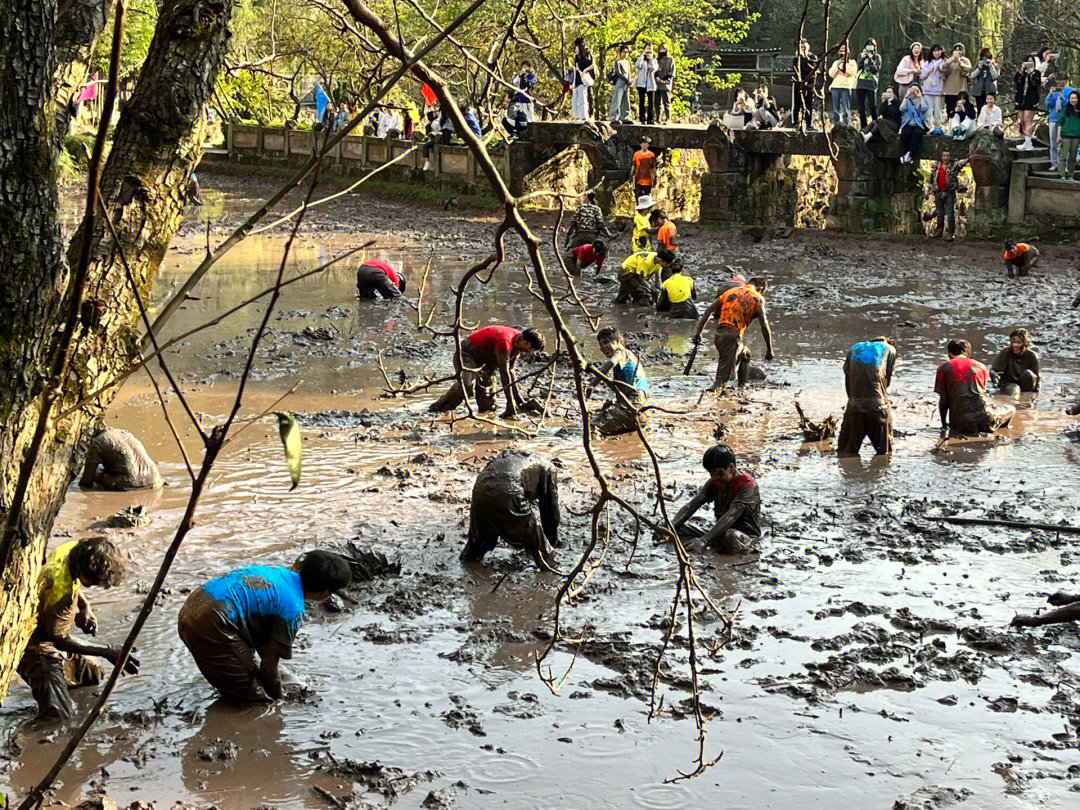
(844, 75)
(990, 116)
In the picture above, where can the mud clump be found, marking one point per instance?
(463, 716)
(219, 751)
(372, 777)
(932, 797)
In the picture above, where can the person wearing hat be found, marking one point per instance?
(255, 609)
(640, 240)
(644, 169)
(736, 505)
(957, 68)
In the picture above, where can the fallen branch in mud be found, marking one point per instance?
(1061, 528)
(815, 431)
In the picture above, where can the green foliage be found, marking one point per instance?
(139, 27)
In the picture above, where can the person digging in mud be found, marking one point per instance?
(482, 352)
(636, 277)
(255, 609)
(53, 660)
(734, 311)
(868, 371)
(1068, 610)
(1016, 368)
(587, 225)
(515, 497)
(116, 460)
(961, 388)
(736, 505)
(1020, 257)
(376, 278)
(677, 293)
(621, 414)
(580, 257)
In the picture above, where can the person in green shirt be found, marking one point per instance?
(1069, 131)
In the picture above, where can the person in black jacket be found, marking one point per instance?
(802, 96)
(1028, 81)
(887, 123)
(665, 81)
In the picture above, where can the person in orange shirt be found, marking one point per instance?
(644, 169)
(734, 311)
(1020, 257)
(665, 230)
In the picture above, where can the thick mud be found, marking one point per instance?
(870, 658)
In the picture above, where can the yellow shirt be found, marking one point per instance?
(678, 288)
(640, 239)
(55, 583)
(643, 263)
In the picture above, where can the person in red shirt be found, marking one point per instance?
(1020, 257)
(482, 352)
(736, 505)
(376, 278)
(944, 181)
(580, 257)
(961, 388)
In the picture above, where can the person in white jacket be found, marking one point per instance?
(933, 86)
(990, 116)
(844, 74)
(909, 71)
(645, 83)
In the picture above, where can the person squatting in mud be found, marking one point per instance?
(256, 609)
(1016, 368)
(735, 309)
(116, 460)
(736, 505)
(1020, 257)
(482, 352)
(580, 257)
(374, 278)
(677, 293)
(961, 388)
(638, 274)
(868, 371)
(515, 497)
(623, 413)
(53, 660)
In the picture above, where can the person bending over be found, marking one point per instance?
(1016, 368)
(1020, 257)
(580, 257)
(677, 293)
(735, 310)
(116, 460)
(736, 505)
(376, 278)
(621, 414)
(960, 384)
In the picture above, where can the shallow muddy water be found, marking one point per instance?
(870, 656)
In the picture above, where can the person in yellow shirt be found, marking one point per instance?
(641, 238)
(636, 276)
(677, 293)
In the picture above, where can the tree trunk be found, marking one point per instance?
(157, 144)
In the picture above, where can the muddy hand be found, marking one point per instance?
(1022, 621)
(87, 622)
(131, 666)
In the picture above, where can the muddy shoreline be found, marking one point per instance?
(870, 655)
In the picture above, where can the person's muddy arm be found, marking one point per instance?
(111, 654)
(1068, 613)
(890, 367)
(766, 333)
(943, 410)
(663, 303)
(739, 505)
(708, 314)
(269, 676)
(1035, 370)
(691, 507)
(847, 376)
(998, 367)
(513, 401)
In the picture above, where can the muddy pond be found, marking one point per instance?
(870, 658)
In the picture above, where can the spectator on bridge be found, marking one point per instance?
(1070, 135)
(1027, 81)
(584, 77)
(620, 78)
(525, 81)
(329, 117)
(1044, 62)
(646, 66)
(802, 88)
(766, 113)
(909, 70)
(644, 169)
(957, 68)
(743, 109)
(933, 88)
(887, 124)
(914, 112)
(983, 78)
(990, 116)
(844, 75)
(515, 121)
(962, 122)
(665, 81)
(1056, 100)
(869, 63)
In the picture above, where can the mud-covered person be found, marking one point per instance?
(1016, 368)
(54, 660)
(116, 460)
(375, 278)
(582, 256)
(639, 274)
(516, 498)
(1020, 258)
(677, 292)
(868, 371)
(736, 505)
(960, 384)
(485, 351)
(734, 310)
(587, 225)
(621, 414)
(253, 610)
(1068, 610)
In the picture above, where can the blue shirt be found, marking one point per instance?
(627, 369)
(524, 83)
(1055, 103)
(914, 113)
(473, 124)
(870, 353)
(263, 602)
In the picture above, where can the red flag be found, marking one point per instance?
(88, 92)
(428, 93)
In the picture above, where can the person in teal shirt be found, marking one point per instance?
(622, 414)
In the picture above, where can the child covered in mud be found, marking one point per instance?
(868, 371)
(736, 505)
(962, 402)
(116, 460)
(621, 414)
(1016, 368)
(1020, 258)
(375, 278)
(735, 309)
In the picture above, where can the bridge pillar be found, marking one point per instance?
(991, 166)
(725, 186)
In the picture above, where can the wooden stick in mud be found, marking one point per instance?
(693, 357)
(1011, 524)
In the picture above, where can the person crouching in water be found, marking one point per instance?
(1016, 369)
(961, 388)
(376, 278)
(736, 505)
(868, 371)
(256, 609)
(621, 414)
(677, 293)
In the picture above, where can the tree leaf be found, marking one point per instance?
(290, 440)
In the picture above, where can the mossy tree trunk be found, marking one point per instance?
(156, 146)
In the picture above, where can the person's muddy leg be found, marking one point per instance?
(224, 659)
(1067, 613)
(1000, 416)
(1027, 381)
(880, 432)
(481, 540)
(626, 288)
(448, 401)
(734, 542)
(1008, 389)
(42, 667)
(727, 347)
(485, 392)
(742, 363)
(850, 438)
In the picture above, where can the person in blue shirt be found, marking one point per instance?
(622, 414)
(914, 113)
(255, 609)
(525, 81)
(1056, 101)
(868, 370)
(472, 122)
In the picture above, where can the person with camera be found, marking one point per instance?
(957, 68)
(1045, 62)
(665, 80)
(802, 90)
(1056, 101)
(843, 74)
(766, 113)
(933, 88)
(869, 64)
(983, 78)
(522, 100)
(914, 113)
(887, 124)
(619, 76)
(1028, 80)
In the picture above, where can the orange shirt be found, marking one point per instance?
(644, 163)
(739, 308)
(1021, 249)
(666, 235)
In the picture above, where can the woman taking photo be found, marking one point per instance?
(887, 123)
(866, 84)
(1027, 80)
(982, 81)
(914, 112)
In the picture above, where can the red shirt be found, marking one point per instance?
(961, 371)
(390, 272)
(741, 482)
(584, 255)
(490, 340)
(941, 174)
